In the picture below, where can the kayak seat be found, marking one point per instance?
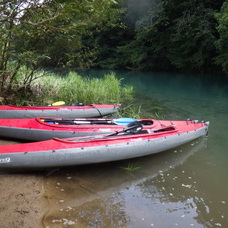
(146, 122)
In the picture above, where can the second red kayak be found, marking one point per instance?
(44, 128)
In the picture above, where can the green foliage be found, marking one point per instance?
(68, 46)
(192, 43)
(107, 42)
(130, 110)
(74, 88)
(47, 88)
(130, 168)
(164, 35)
(222, 42)
(34, 32)
(174, 36)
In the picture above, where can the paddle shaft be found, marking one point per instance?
(85, 122)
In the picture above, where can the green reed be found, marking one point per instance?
(75, 88)
(44, 87)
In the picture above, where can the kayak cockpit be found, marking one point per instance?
(92, 121)
(131, 130)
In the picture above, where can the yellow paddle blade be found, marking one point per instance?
(57, 103)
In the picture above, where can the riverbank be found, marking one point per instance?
(22, 201)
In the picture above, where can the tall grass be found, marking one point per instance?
(75, 88)
(46, 88)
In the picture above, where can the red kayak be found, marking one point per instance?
(73, 111)
(42, 128)
(132, 141)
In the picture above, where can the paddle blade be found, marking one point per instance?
(123, 121)
(58, 103)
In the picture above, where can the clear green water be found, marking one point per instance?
(185, 187)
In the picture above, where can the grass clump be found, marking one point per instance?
(43, 88)
(75, 88)
(130, 167)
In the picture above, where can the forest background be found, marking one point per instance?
(154, 35)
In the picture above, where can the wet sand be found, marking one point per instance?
(22, 202)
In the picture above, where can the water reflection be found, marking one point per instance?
(185, 200)
(161, 193)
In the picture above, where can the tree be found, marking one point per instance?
(222, 42)
(28, 28)
(192, 37)
(169, 35)
(148, 48)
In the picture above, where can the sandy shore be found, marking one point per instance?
(22, 203)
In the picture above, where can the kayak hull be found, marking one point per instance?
(16, 112)
(29, 134)
(36, 129)
(79, 151)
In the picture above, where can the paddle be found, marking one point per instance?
(58, 103)
(131, 128)
(123, 121)
(119, 121)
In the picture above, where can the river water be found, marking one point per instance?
(183, 187)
